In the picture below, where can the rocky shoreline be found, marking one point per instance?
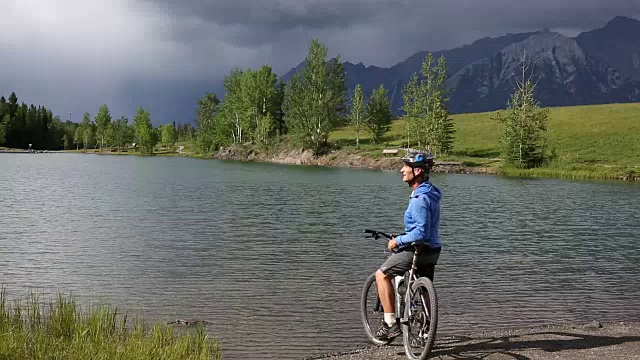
(616, 340)
(339, 158)
(355, 159)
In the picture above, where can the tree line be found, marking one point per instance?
(104, 132)
(260, 109)
(23, 125)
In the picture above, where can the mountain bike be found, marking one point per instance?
(416, 307)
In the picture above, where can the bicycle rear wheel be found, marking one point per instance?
(419, 330)
(371, 310)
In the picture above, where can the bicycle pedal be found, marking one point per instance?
(404, 320)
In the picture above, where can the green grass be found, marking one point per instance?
(589, 142)
(60, 330)
(596, 141)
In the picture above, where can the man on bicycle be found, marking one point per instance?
(421, 221)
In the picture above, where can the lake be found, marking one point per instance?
(273, 256)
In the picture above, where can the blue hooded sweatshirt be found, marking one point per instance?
(422, 218)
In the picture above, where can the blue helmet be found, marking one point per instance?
(417, 158)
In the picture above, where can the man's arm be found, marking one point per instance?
(419, 209)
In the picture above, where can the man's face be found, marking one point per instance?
(407, 174)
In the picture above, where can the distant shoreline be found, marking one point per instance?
(350, 158)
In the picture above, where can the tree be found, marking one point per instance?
(121, 132)
(146, 135)
(314, 99)
(3, 107)
(110, 134)
(235, 108)
(205, 120)
(412, 97)
(186, 132)
(168, 135)
(522, 135)
(86, 131)
(266, 125)
(441, 125)
(77, 137)
(356, 115)
(265, 99)
(12, 105)
(281, 128)
(23, 124)
(248, 110)
(427, 117)
(4, 121)
(378, 116)
(103, 120)
(88, 137)
(156, 136)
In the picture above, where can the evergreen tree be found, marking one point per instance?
(522, 135)
(3, 133)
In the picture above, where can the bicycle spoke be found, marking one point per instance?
(419, 331)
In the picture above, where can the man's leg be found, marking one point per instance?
(427, 264)
(386, 294)
(396, 264)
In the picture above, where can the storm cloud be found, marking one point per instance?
(73, 55)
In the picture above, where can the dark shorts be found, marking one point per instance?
(399, 263)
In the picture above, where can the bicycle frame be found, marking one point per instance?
(400, 280)
(413, 314)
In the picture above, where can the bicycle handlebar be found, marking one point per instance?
(376, 234)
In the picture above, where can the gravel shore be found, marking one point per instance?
(619, 340)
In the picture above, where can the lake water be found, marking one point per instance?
(274, 258)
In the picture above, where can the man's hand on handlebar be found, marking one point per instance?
(392, 245)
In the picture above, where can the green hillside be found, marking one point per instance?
(597, 141)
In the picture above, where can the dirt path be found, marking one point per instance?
(612, 341)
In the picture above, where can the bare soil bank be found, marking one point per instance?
(338, 158)
(619, 340)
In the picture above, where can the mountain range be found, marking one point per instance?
(598, 66)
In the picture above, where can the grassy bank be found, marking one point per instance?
(590, 142)
(60, 330)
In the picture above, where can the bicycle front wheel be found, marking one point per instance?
(371, 310)
(421, 319)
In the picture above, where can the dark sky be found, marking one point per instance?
(73, 55)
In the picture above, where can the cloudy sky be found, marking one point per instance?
(73, 55)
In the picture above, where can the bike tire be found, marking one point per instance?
(426, 286)
(369, 316)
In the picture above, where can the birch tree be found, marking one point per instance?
(314, 99)
(356, 115)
